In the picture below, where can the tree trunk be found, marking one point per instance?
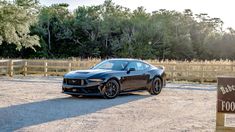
(49, 35)
(106, 42)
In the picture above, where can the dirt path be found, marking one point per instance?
(36, 104)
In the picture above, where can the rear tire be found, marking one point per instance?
(156, 87)
(111, 89)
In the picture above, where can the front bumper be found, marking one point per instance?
(82, 90)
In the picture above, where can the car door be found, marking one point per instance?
(143, 75)
(134, 79)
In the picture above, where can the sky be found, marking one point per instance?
(223, 9)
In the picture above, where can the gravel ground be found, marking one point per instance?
(36, 103)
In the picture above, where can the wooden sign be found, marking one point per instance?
(225, 102)
(226, 95)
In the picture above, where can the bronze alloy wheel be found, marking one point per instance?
(111, 89)
(156, 86)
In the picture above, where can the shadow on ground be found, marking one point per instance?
(19, 116)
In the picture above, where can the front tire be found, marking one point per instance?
(156, 87)
(111, 89)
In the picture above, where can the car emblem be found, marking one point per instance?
(73, 81)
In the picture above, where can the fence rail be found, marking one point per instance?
(175, 70)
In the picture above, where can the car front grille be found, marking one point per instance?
(78, 82)
(83, 90)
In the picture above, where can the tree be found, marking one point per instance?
(111, 30)
(15, 21)
(50, 26)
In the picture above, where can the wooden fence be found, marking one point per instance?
(175, 70)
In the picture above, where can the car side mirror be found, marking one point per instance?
(91, 67)
(130, 69)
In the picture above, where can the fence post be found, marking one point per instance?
(25, 68)
(11, 68)
(232, 65)
(69, 67)
(202, 74)
(45, 68)
(219, 119)
(172, 74)
(187, 71)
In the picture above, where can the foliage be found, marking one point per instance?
(15, 21)
(110, 30)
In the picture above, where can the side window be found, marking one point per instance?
(132, 65)
(146, 66)
(141, 66)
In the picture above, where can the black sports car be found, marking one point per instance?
(113, 76)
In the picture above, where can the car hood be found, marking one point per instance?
(91, 73)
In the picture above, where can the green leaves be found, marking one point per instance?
(15, 25)
(110, 30)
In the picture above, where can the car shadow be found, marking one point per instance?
(24, 115)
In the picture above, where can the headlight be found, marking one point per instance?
(96, 80)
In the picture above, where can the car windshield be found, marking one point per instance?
(118, 65)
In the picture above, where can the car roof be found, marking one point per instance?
(125, 59)
(130, 59)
